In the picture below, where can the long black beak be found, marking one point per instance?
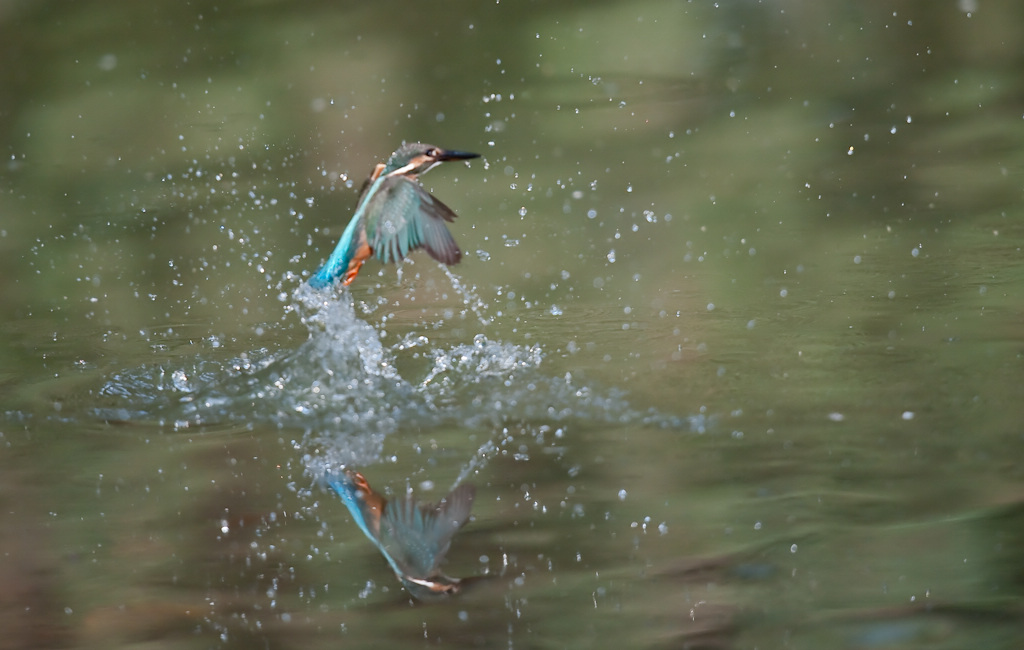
(445, 154)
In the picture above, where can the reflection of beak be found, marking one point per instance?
(424, 587)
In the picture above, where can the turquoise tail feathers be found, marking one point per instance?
(339, 261)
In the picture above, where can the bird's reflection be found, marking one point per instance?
(413, 537)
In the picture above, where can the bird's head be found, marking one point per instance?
(417, 158)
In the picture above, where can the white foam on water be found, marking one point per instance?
(342, 389)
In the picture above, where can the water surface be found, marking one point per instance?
(733, 355)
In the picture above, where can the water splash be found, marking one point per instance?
(469, 297)
(341, 388)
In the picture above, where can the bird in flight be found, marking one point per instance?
(395, 216)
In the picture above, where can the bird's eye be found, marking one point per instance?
(431, 152)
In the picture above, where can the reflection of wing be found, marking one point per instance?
(417, 537)
(401, 217)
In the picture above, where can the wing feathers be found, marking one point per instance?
(418, 536)
(403, 217)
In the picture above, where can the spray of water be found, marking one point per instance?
(341, 388)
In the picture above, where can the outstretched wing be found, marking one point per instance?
(417, 537)
(401, 216)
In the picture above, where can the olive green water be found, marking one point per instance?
(734, 355)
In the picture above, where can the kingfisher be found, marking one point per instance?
(394, 216)
(413, 537)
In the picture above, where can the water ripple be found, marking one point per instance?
(342, 389)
